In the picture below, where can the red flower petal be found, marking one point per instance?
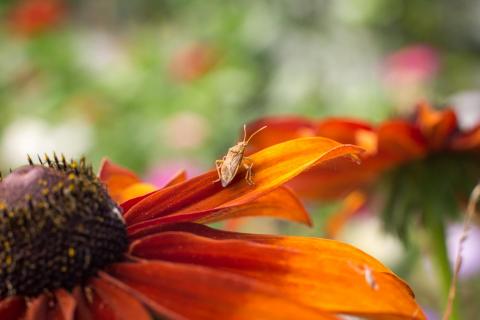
(116, 178)
(467, 141)
(342, 130)
(197, 292)
(281, 203)
(436, 125)
(179, 177)
(98, 308)
(37, 309)
(323, 277)
(12, 308)
(65, 304)
(401, 139)
(272, 167)
(82, 311)
(279, 130)
(123, 305)
(159, 309)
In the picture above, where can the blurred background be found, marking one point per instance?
(161, 85)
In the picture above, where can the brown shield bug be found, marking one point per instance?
(227, 168)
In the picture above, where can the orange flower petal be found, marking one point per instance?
(82, 311)
(197, 292)
(37, 309)
(402, 139)
(98, 308)
(279, 130)
(351, 204)
(281, 203)
(136, 191)
(272, 167)
(12, 308)
(123, 305)
(342, 130)
(321, 279)
(467, 141)
(65, 304)
(436, 125)
(116, 178)
(122, 184)
(179, 177)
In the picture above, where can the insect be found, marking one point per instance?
(227, 168)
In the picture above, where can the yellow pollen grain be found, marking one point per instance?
(3, 205)
(71, 176)
(6, 246)
(71, 252)
(8, 260)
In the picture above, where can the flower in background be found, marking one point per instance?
(88, 261)
(411, 151)
(408, 72)
(193, 61)
(31, 17)
(185, 130)
(162, 173)
(418, 171)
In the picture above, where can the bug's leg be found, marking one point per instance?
(218, 165)
(248, 164)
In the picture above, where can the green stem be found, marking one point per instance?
(436, 229)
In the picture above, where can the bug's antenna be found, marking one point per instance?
(244, 132)
(251, 136)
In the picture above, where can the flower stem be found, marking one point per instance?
(436, 229)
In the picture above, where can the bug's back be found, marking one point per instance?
(231, 163)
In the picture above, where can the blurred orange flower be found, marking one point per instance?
(431, 137)
(193, 62)
(178, 268)
(30, 17)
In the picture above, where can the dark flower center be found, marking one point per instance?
(58, 227)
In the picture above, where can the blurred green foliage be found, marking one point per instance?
(110, 64)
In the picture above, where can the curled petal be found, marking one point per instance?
(197, 292)
(320, 279)
(436, 125)
(272, 168)
(281, 203)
